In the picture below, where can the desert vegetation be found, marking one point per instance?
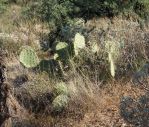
(74, 63)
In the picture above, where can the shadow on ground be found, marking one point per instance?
(134, 111)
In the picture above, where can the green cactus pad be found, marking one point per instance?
(79, 43)
(60, 102)
(61, 88)
(28, 57)
(112, 65)
(95, 48)
(113, 50)
(62, 49)
(61, 46)
(56, 56)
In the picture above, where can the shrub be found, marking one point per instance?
(3, 5)
(142, 8)
(55, 12)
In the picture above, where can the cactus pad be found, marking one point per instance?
(60, 102)
(61, 88)
(61, 46)
(79, 43)
(28, 57)
(112, 65)
(62, 50)
(113, 50)
(95, 48)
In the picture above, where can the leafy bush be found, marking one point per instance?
(3, 5)
(55, 12)
(58, 12)
(142, 8)
(21, 2)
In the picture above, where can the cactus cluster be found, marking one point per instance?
(29, 58)
(61, 97)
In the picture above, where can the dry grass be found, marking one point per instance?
(91, 104)
(102, 109)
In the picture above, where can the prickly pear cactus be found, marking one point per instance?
(95, 48)
(79, 43)
(112, 48)
(62, 50)
(56, 56)
(61, 46)
(112, 65)
(28, 57)
(60, 88)
(60, 102)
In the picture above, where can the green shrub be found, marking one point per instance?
(142, 8)
(3, 5)
(55, 12)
